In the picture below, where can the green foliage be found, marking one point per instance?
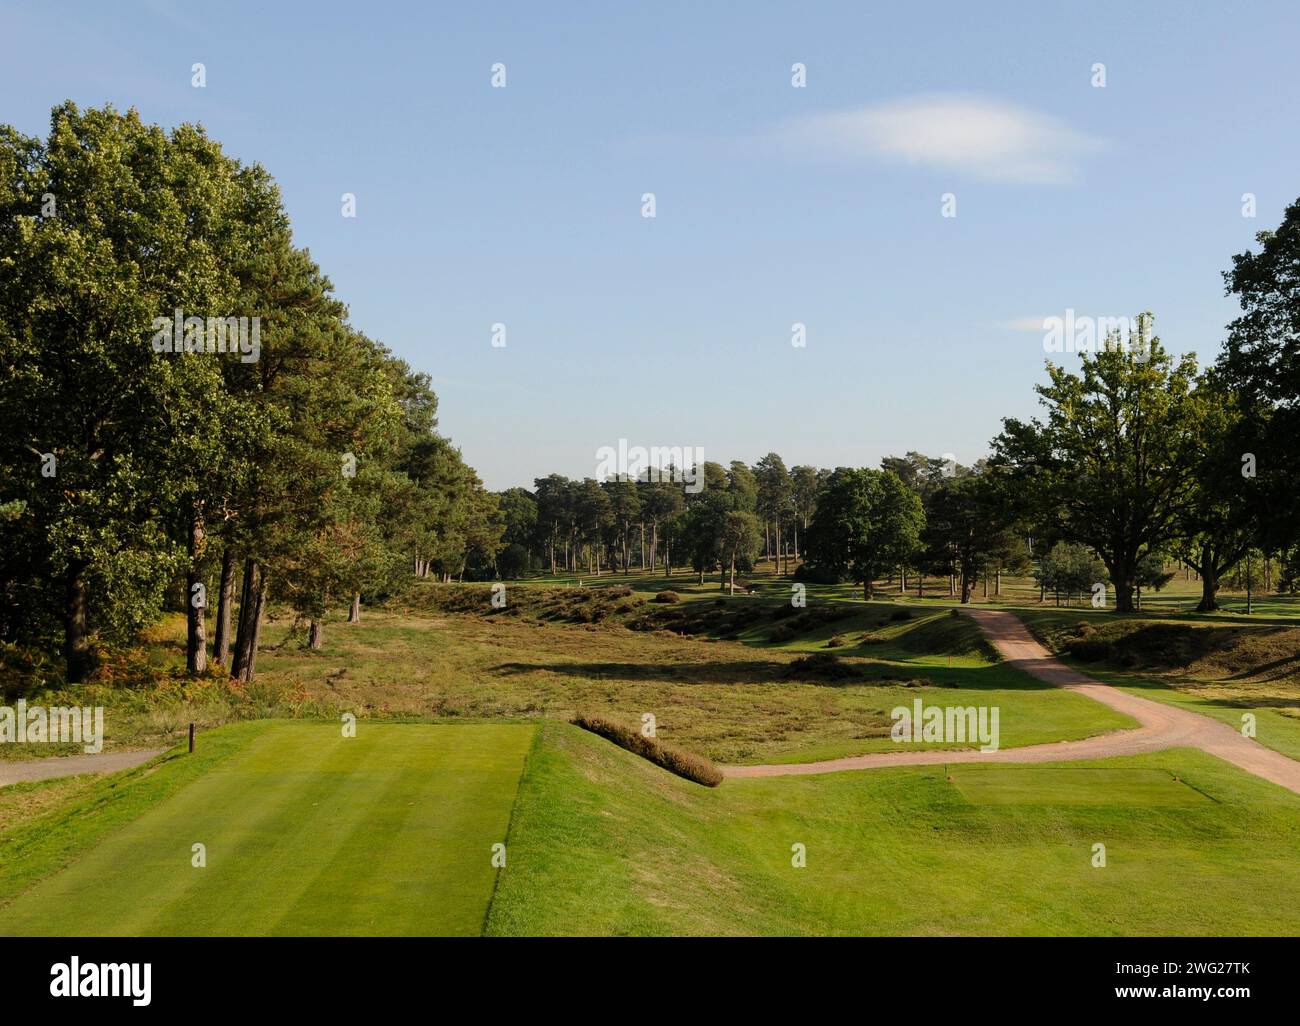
(1110, 466)
(1069, 569)
(867, 523)
(1261, 363)
(310, 458)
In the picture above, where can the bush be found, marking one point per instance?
(821, 666)
(667, 596)
(783, 632)
(1089, 650)
(513, 562)
(816, 575)
(675, 760)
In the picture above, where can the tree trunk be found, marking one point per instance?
(733, 575)
(354, 614)
(250, 670)
(196, 634)
(316, 636)
(1209, 571)
(247, 610)
(76, 641)
(221, 642)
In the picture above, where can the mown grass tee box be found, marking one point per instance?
(304, 832)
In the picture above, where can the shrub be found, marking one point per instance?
(667, 596)
(675, 760)
(1089, 649)
(816, 575)
(821, 666)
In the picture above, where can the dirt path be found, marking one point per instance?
(1160, 726)
(71, 765)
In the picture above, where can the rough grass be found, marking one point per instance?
(715, 682)
(673, 759)
(1271, 653)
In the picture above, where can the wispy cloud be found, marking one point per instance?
(980, 137)
(1026, 323)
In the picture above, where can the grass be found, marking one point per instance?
(1096, 785)
(711, 675)
(306, 833)
(391, 833)
(603, 843)
(1221, 671)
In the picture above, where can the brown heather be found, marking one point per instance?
(674, 760)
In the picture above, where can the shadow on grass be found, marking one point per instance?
(755, 671)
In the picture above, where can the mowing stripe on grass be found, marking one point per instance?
(306, 833)
(1131, 787)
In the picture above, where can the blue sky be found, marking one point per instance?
(774, 205)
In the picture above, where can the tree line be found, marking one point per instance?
(190, 420)
(1138, 459)
(150, 461)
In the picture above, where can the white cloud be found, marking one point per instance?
(983, 138)
(1026, 323)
